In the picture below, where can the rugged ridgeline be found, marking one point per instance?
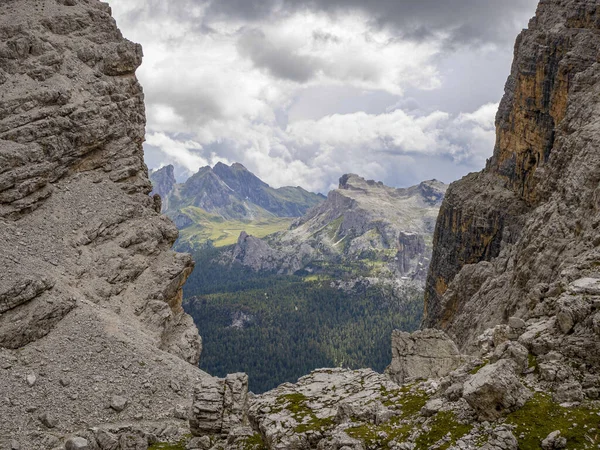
(522, 237)
(215, 202)
(387, 230)
(91, 325)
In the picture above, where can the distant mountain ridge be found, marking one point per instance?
(232, 192)
(361, 222)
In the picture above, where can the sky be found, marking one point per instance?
(304, 91)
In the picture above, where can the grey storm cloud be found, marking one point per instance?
(465, 21)
(281, 62)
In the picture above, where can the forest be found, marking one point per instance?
(277, 328)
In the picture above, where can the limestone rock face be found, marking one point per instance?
(231, 192)
(422, 355)
(220, 405)
(308, 414)
(509, 240)
(361, 221)
(90, 289)
(495, 390)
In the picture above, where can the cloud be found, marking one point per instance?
(280, 60)
(303, 91)
(314, 153)
(463, 21)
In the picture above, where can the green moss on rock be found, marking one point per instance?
(443, 425)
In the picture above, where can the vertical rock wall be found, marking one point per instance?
(519, 232)
(90, 291)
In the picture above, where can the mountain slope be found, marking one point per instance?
(363, 221)
(90, 291)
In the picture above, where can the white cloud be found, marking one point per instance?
(221, 89)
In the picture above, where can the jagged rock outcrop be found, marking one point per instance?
(253, 252)
(90, 292)
(422, 355)
(513, 238)
(496, 390)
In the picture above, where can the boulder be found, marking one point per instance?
(569, 392)
(422, 355)
(495, 390)
(118, 403)
(513, 351)
(554, 441)
(49, 420)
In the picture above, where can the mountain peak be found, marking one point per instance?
(352, 181)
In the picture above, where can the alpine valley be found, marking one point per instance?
(329, 286)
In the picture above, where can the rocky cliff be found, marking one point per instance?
(91, 325)
(512, 240)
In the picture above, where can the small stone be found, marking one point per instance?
(64, 382)
(31, 379)
(14, 445)
(48, 420)
(175, 386)
(76, 443)
(516, 323)
(432, 407)
(199, 443)
(181, 412)
(554, 441)
(118, 403)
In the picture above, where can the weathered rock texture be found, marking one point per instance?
(90, 292)
(495, 390)
(509, 240)
(220, 405)
(422, 355)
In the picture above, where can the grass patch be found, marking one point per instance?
(221, 232)
(254, 442)
(296, 404)
(479, 367)
(168, 446)
(442, 425)
(541, 416)
(532, 362)
(410, 400)
(373, 437)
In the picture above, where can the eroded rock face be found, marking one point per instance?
(89, 285)
(422, 355)
(220, 405)
(509, 240)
